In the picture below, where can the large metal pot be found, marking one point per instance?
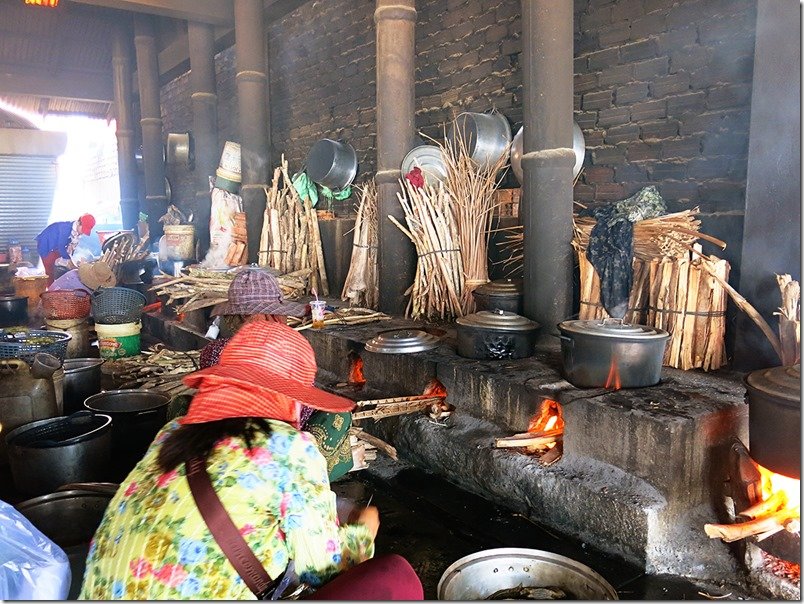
(496, 334)
(332, 164)
(486, 136)
(82, 379)
(578, 146)
(13, 311)
(595, 352)
(49, 453)
(505, 294)
(69, 519)
(137, 415)
(479, 575)
(774, 419)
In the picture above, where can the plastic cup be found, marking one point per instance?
(317, 307)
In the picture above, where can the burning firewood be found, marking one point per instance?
(529, 439)
(393, 406)
(375, 442)
(773, 522)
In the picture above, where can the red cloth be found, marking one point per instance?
(416, 177)
(50, 265)
(388, 577)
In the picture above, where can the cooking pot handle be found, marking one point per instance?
(612, 321)
(141, 414)
(570, 342)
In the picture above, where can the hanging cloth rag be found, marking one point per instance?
(611, 245)
(305, 187)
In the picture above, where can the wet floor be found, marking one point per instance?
(433, 523)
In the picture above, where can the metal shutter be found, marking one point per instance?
(27, 185)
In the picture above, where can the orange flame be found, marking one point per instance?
(435, 388)
(613, 379)
(356, 376)
(772, 483)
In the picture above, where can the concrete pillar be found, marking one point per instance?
(151, 122)
(547, 160)
(205, 122)
(252, 102)
(126, 164)
(396, 23)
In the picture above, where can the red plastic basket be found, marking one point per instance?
(66, 304)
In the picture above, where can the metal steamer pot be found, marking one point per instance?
(49, 453)
(592, 349)
(774, 419)
(483, 574)
(496, 334)
(13, 311)
(137, 415)
(82, 379)
(505, 294)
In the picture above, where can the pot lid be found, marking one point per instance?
(501, 320)
(779, 382)
(503, 287)
(402, 341)
(612, 328)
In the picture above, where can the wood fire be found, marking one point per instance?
(613, 381)
(778, 509)
(545, 434)
(356, 376)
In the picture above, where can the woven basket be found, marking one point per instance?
(116, 305)
(66, 304)
(27, 345)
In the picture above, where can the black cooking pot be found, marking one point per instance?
(496, 334)
(505, 294)
(591, 350)
(82, 379)
(774, 419)
(13, 311)
(137, 415)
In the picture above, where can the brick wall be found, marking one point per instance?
(662, 91)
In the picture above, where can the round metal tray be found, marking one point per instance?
(402, 341)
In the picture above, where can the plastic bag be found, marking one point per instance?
(32, 567)
(221, 226)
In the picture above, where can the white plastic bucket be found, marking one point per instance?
(229, 166)
(118, 341)
(180, 241)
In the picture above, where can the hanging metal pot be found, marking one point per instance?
(332, 164)
(496, 334)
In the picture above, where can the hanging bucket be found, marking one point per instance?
(229, 166)
(486, 135)
(118, 341)
(332, 164)
(180, 241)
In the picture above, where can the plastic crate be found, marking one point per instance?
(27, 344)
(116, 305)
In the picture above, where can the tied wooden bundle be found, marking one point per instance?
(789, 314)
(237, 254)
(290, 240)
(125, 250)
(590, 305)
(362, 286)
(472, 190)
(437, 289)
(202, 288)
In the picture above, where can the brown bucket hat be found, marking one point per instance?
(96, 274)
(255, 292)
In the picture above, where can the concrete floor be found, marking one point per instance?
(433, 523)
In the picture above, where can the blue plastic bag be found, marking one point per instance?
(32, 567)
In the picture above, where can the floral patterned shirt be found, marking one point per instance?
(152, 543)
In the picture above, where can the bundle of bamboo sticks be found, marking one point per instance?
(437, 289)
(340, 316)
(362, 286)
(124, 250)
(290, 240)
(472, 190)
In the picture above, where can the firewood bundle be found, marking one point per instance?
(432, 226)
(290, 239)
(125, 250)
(362, 286)
(237, 254)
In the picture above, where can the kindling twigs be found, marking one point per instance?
(362, 287)
(290, 240)
(342, 316)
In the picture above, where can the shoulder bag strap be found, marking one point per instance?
(225, 532)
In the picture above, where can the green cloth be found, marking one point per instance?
(305, 187)
(331, 432)
(339, 195)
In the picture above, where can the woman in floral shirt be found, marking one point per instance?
(153, 544)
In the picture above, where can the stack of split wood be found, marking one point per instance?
(362, 286)
(673, 287)
(125, 250)
(432, 226)
(202, 288)
(237, 254)
(762, 520)
(158, 368)
(290, 239)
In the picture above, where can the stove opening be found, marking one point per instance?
(356, 375)
(544, 438)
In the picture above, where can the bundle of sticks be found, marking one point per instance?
(158, 368)
(472, 190)
(125, 250)
(290, 239)
(789, 314)
(432, 226)
(340, 316)
(362, 287)
(202, 288)
(237, 253)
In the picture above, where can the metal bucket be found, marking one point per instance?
(332, 164)
(486, 135)
(82, 379)
(479, 575)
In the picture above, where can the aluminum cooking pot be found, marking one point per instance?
(332, 164)
(592, 350)
(578, 146)
(13, 311)
(505, 294)
(486, 136)
(496, 334)
(480, 575)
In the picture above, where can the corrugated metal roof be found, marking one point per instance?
(50, 105)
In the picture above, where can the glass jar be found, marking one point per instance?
(14, 252)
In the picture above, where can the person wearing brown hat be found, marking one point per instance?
(89, 276)
(157, 539)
